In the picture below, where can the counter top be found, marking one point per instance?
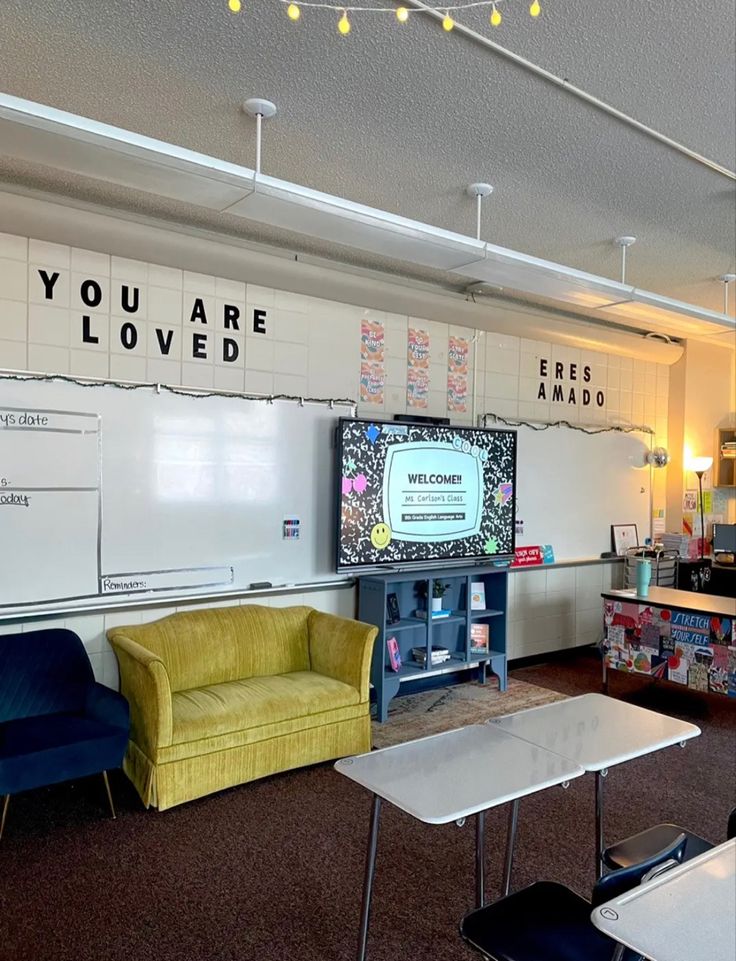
(683, 600)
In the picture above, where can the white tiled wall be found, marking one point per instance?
(92, 628)
(311, 347)
(550, 610)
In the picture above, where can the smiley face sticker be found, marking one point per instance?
(381, 536)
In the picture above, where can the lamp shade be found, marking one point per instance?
(699, 465)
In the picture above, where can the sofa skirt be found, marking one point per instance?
(165, 785)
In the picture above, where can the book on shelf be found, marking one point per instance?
(477, 596)
(479, 638)
(439, 654)
(436, 615)
(393, 615)
(394, 656)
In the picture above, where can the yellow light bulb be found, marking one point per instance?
(448, 23)
(344, 24)
(293, 12)
(496, 18)
(402, 14)
(234, 5)
(535, 9)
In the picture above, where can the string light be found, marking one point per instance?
(344, 26)
(196, 392)
(494, 418)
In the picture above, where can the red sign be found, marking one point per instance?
(527, 556)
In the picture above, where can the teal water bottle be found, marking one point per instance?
(643, 576)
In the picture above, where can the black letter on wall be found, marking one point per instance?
(48, 283)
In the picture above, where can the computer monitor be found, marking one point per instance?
(724, 538)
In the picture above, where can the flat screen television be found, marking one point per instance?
(411, 494)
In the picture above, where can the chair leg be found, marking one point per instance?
(5, 811)
(109, 795)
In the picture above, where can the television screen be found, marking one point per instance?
(414, 493)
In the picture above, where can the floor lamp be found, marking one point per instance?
(699, 465)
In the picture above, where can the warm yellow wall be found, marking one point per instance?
(702, 397)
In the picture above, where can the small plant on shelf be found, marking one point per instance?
(438, 592)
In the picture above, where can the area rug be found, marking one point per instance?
(431, 712)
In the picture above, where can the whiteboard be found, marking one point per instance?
(572, 486)
(111, 495)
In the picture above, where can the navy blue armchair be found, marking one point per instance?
(56, 722)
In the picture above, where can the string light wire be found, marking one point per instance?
(401, 13)
(545, 425)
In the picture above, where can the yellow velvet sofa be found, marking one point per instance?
(226, 695)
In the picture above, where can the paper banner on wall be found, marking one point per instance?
(457, 355)
(457, 393)
(707, 502)
(457, 374)
(372, 378)
(372, 341)
(417, 349)
(690, 500)
(417, 388)
(658, 523)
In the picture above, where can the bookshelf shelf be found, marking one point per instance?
(724, 461)
(406, 624)
(452, 633)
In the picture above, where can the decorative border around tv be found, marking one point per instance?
(413, 494)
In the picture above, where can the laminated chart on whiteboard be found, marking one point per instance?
(110, 495)
(50, 499)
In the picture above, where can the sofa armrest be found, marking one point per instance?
(342, 648)
(106, 705)
(145, 683)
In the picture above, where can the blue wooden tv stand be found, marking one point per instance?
(453, 632)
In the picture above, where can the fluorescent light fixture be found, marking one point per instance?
(40, 134)
(662, 313)
(315, 214)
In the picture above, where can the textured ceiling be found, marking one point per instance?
(403, 117)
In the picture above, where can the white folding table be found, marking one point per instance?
(685, 914)
(596, 732)
(449, 777)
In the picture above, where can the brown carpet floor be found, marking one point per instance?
(273, 870)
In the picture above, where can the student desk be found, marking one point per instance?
(685, 914)
(596, 732)
(449, 777)
(680, 636)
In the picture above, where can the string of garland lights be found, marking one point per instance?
(197, 393)
(402, 14)
(492, 418)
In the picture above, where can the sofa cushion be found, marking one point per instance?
(254, 702)
(56, 747)
(206, 647)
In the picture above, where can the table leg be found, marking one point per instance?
(370, 870)
(480, 892)
(599, 842)
(510, 839)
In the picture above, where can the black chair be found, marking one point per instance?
(641, 846)
(549, 922)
